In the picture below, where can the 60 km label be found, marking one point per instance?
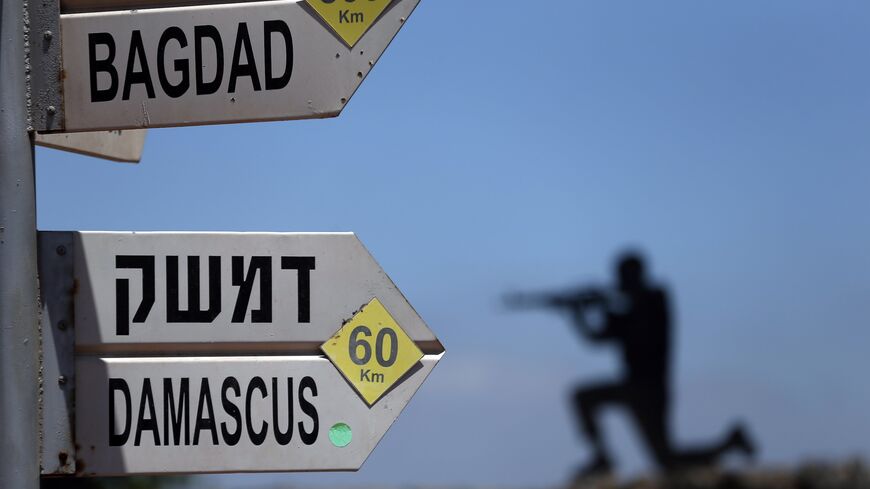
(385, 360)
(372, 351)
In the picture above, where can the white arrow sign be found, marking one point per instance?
(124, 146)
(253, 61)
(204, 352)
(227, 414)
(274, 292)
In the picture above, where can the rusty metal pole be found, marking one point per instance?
(19, 332)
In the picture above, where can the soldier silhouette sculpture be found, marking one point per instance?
(635, 317)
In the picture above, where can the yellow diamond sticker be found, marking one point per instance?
(372, 351)
(350, 19)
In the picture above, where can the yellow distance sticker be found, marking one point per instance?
(350, 19)
(372, 351)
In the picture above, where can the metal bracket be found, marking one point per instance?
(57, 399)
(46, 66)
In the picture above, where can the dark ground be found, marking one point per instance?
(819, 475)
(850, 475)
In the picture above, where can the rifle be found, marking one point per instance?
(578, 302)
(579, 299)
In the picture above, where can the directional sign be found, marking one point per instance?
(265, 292)
(252, 61)
(124, 146)
(226, 414)
(201, 352)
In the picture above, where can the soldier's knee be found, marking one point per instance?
(583, 399)
(663, 455)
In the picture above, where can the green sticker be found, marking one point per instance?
(340, 435)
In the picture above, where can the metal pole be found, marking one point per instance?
(19, 333)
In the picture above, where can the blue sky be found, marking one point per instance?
(503, 146)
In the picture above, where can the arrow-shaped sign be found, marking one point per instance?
(202, 352)
(209, 64)
(124, 146)
(227, 414)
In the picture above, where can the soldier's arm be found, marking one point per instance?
(592, 333)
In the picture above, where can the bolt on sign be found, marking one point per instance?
(210, 64)
(201, 352)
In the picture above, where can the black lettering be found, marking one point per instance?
(118, 439)
(263, 266)
(122, 307)
(278, 27)
(308, 437)
(122, 292)
(131, 77)
(205, 423)
(231, 439)
(194, 313)
(283, 438)
(256, 437)
(303, 265)
(181, 65)
(201, 32)
(394, 347)
(249, 69)
(150, 423)
(102, 66)
(170, 410)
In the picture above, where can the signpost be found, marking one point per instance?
(201, 352)
(19, 332)
(209, 64)
(159, 353)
